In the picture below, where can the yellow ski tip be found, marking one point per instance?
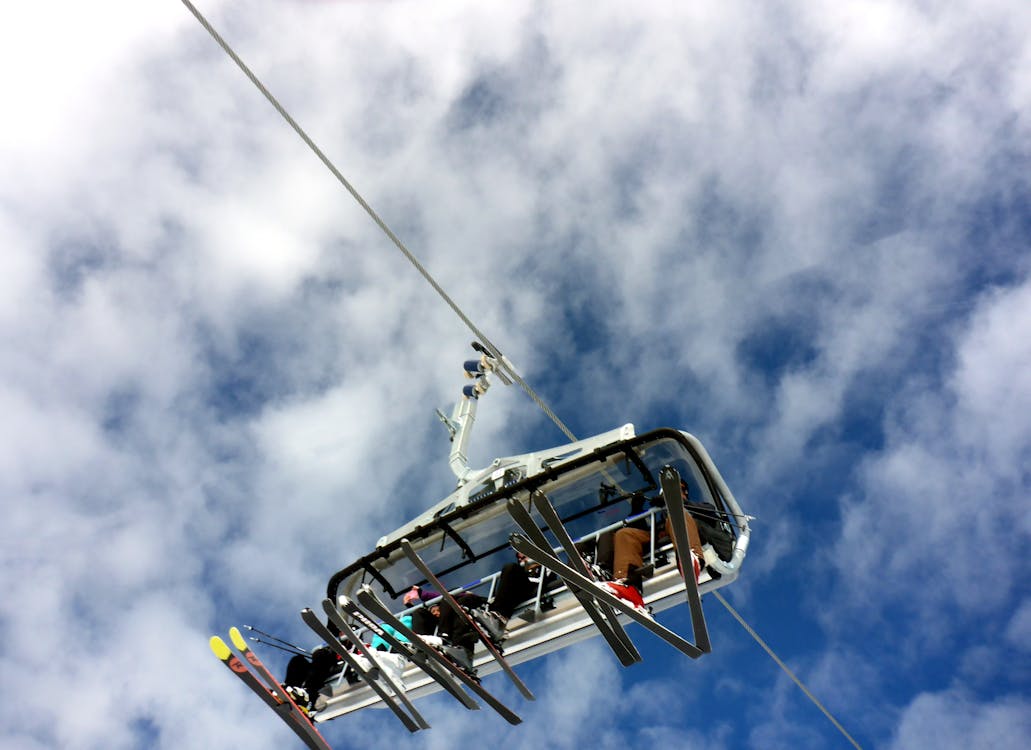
(237, 638)
(219, 647)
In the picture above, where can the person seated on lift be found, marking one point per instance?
(515, 585)
(629, 544)
(443, 628)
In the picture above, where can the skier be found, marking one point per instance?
(515, 586)
(424, 620)
(305, 676)
(628, 556)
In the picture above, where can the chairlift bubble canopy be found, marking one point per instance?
(464, 539)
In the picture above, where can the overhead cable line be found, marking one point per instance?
(495, 352)
(785, 667)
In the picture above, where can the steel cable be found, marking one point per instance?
(480, 335)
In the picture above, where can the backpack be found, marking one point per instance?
(716, 534)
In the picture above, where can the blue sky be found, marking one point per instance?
(800, 233)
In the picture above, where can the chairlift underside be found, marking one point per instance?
(465, 541)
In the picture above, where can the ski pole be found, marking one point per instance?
(281, 648)
(275, 638)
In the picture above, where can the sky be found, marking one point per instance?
(798, 231)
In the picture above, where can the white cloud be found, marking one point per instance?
(948, 486)
(952, 720)
(218, 377)
(58, 60)
(1019, 628)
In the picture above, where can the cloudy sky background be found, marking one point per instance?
(801, 233)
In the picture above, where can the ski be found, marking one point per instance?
(352, 636)
(461, 612)
(414, 722)
(547, 510)
(289, 713)
(417, 657)
(252, 658)
(369, 600)
(600, 592)
(622, 647)
(670, 481)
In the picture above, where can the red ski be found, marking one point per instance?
(278, 700)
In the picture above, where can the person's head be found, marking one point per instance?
(415, 595)
(683, 489)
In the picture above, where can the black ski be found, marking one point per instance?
(601, 592)
(546, 509)
(374, 671)
(670, 480)
(369, 600)
(411, 724)
(461, 612)
(442, 677)
(291, 715)
(621, 645)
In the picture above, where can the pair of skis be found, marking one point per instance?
(484, 638)
(597, 599)
(392, 694)
(436, 665)
(267, 687)
(669, 479)
(602, 614)
(440, 668)
(372, 614)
